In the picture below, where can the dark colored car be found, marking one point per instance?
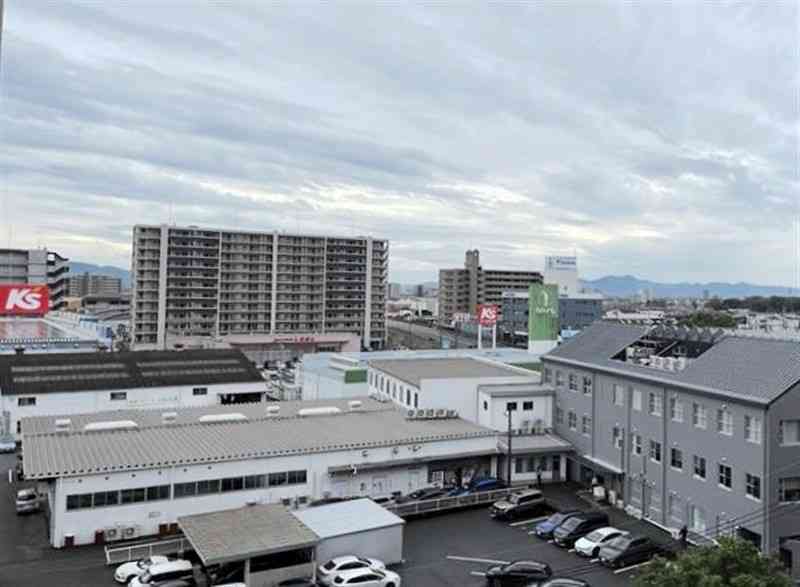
(479, 485)
(545, 529)
(578, 526)
(517, 573)
(628, 550)
(562, 582)
(519, 503)
(423, 494)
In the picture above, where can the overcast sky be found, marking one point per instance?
(654, 139)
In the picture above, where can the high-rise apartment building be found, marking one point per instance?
(36, 266)
(201, 282)
(91, 284)
(461, 290)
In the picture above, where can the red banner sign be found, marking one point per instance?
(24, 300)
(487, 314)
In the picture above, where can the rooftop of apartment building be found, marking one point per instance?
(752, 369)
(212, 231)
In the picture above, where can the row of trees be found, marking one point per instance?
(776, 304)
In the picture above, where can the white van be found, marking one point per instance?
(162, 573)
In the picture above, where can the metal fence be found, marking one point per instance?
(448, 503)
(118, 554)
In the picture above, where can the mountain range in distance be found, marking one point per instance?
(611, 285)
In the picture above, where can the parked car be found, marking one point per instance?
(295, 583)
(127, 571)
(478, 485)
(578, 526)
(517, 573)
(27, 501)
(327, 571)
(519, 503)
(564, 582)
(590, 544)
(545, 529)
(162, 574)
(8, 446)
(627, 550)
(367, 578)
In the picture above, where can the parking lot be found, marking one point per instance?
(443, 550)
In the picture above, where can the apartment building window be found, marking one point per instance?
(618, 395)
(724, 422)
(637, 400)
(753, 486)
(559, 379)
(572, 420)
(573, 382)
(527, 406)
(725, 476)
(587, 385)
(511, 406)
(789, 489)
(700, 467)
(586, 425)
(698, 415)
(548, 375)
(675, 409)
(200, 391)
(655, 451)
(788, 432)
(636, 444)
(118, 396)
(654, 404)
(408, 396)
(416, 399)
(676, 458)
(752, 429)
(26, 401)
(616, 437)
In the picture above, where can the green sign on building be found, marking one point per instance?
(543, 312)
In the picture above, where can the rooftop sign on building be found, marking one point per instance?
(24, 300)
(543, 327)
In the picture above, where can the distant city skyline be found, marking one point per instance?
(656, 140)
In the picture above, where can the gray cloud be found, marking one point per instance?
(652, 139)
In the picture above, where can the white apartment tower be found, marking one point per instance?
(202, 282)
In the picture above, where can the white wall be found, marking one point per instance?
(494, 416)
(147, 516)
(385, 544)
(83, 402)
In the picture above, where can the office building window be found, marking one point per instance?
(699, 467)
(789, 489)
(559, 416)
(158, 492)
(559, 379)
(573, 382)
(698, 415)
(587, 385)
(724, 422)
(789, 432)
(548, 375)
(725, 476)
(416, 399)
(572, 420)
(675, 409)
(408, 397)
(511, 406)
(118, 396)
(616, 437)
(676, 458)
(26, 401)
(654, 404)
(527, 406)
(753, 486)
(637, 400)
(636, 444)
(202, 390)
(586, 425)
(618, 395)
(752, 429)
(655, 451)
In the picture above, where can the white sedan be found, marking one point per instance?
(367, 578)
(127, 571)
(341, 564)
(590, 544)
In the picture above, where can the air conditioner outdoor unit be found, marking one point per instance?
(129, 532)
(422, 413)
(452, 413)
(111, 534)
(681, 364)
(411, 414)
(669, 364)
(430, 413)
(441, 413)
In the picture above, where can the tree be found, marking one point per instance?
(734, 563)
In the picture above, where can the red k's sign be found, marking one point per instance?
(487, 314)
(24, 300)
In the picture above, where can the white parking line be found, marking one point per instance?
(531, 521)
(477, 574)
(469, 559)
(626, 569)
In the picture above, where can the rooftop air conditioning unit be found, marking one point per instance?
(441, 413)
(129, 532)
(680, 365)
(169, 417)
(658, 362)
(111, 534)
(411, 414)
(669, 364)
(430, 413)
(63, 424)
(421, 414)
(354, 405)
(452, 413)
(273, 410)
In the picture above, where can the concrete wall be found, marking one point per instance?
(385, 544)
(492, 411)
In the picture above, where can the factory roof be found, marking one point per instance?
(347, 517)
(750, 369)
(254, 530)
(65, 372)
(413, 371)
(123, 446)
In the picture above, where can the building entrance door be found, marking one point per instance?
(556, 467)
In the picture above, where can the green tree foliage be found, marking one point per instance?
(709, 320)
(735, 563)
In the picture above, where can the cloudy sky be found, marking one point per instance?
(652, 139)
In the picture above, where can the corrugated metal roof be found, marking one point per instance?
(65, 372)
(746, 368)
(346, 517)
(63, 454)
(233, 535)
(413, 371)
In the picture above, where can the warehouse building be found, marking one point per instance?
(687, 427)
(48, 384)
(108, 477)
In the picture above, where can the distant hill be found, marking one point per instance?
(628, 285)
(76, 267)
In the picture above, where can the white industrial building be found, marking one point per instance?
(75, 383)
(112, 476)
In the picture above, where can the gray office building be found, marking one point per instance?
(687, 427)
(36, 266)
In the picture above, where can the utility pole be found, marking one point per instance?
(508, 460)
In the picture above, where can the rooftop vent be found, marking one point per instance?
(321, 411)
(169, 417)
(211, 418)
(273, 410)
(112, 425)
(63, 424)
(354, 405)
